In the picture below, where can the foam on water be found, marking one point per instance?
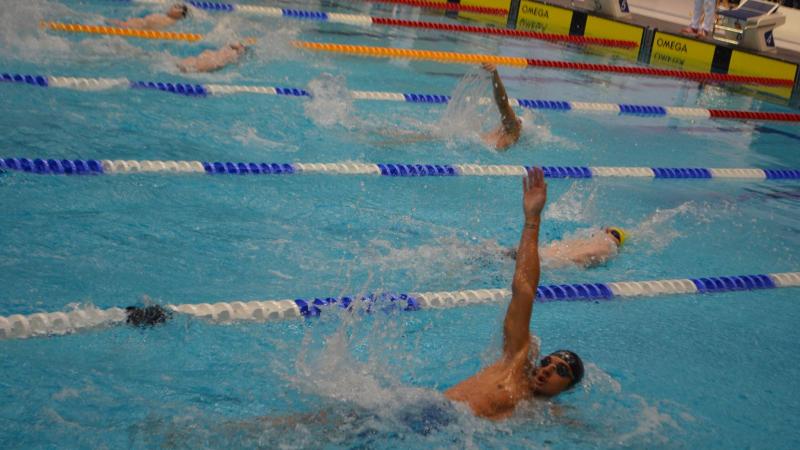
(467, 117)
(658, 230)
(463, 262)
(331, 103)
(249, 136)
(578, 204)
(21, 37)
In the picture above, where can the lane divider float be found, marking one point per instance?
(448, 6)
(364, 20)
(473, 58)
(442, 56)
(120, 31)
(414, 3)
(108, 166)
(19, 326)
(200, 90)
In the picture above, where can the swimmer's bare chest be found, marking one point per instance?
(493, 392)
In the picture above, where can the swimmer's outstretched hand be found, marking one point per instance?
(489, 67)
(534, 193)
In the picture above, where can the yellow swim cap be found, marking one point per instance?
(618, 233)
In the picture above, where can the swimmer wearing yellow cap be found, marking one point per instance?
(587, 252)
(617, 233)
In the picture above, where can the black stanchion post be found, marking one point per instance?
(647, 45)
(513, 9)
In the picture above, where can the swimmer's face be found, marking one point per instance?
(552, 377)
(177, 11)
(614, 235)
(239, 48)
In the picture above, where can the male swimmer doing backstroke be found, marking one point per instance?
(507, 133)
(177, 12)
(495, 391)
(501, 138)
(597, 249)
(211, 60)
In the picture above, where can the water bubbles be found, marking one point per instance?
(331, 103)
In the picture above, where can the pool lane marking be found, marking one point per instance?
(200, 90)
(120, 31)
(217, 6)
(58, 323)
(473, 58)
(84, 167)
(446, 57)
(367, 21)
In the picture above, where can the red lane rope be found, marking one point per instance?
(448, 6)
(753, 115)
(696, 76)
(503, 32)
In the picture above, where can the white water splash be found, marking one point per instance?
(248, 136)
(651, 422)
(446, 258)
(578, 204)
(537, 132)
(658, 230)
(20, 34)
(596, 380)
(331, 103)
(469, 112)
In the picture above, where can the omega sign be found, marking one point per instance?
(535, 11)
(675, 46)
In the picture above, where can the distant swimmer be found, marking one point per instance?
(583, 252)
(507, 133)
(211, 60)
(500, 138)
(176, 12)
(495, 391)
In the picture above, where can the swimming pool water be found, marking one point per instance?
(670, 372)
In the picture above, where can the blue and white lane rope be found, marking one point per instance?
(200, 90)
(118, 166)
(58, 323)
(268, 11)
(366, 21)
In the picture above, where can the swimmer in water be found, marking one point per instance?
(175, 13)
(495, 391)
(501, 138)
(589, 252)
(211, 60)
(507, 133)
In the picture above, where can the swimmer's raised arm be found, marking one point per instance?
(516, 326)
(507, 115)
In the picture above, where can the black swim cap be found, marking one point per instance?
(146, 316)
(184, 9)
(574, 362)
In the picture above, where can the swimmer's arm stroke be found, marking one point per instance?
(516, 326)
(507, 115)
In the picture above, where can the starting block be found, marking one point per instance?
(611, 8)
(750, 26)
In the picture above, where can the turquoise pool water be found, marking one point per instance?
(669, 372)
